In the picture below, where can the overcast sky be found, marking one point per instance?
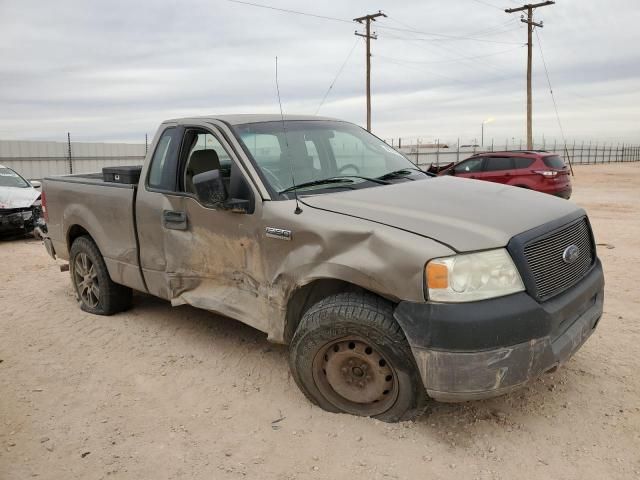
(112, 70)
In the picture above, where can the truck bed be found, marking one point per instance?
(105, 210)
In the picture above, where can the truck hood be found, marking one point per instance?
(14, 197)
(463, 214)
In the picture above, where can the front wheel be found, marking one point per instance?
(95, 290)
(349, 355)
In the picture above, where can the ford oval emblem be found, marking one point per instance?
(571, 254)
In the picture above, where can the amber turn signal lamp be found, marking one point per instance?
(437, 275)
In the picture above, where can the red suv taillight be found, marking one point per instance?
(547, 173)
(43, 201)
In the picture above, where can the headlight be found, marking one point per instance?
(472, 276)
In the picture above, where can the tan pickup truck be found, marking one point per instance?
(390, 286)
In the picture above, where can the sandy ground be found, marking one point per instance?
(161, 392)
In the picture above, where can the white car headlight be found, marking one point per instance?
(472, 276)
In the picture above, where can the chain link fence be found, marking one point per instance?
(578, 153)
(36, 160)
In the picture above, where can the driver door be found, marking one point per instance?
(208, 254)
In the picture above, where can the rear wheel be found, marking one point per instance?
(95, 290)
(349, 355)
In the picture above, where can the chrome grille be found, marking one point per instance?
(551, 274)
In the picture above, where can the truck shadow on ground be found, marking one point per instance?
(455, 425)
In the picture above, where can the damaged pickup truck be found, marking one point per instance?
(389, 285)
(20, 205)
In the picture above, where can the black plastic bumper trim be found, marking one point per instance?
(499, 322)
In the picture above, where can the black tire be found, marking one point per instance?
(352, 320)
(111, 297)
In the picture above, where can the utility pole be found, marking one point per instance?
(530, 26)
(367, 19)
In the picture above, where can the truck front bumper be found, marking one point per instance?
(470, 351)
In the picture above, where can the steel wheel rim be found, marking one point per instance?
(355, 377)
(86, 280)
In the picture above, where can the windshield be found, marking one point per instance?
(317, 150)
(9, 178)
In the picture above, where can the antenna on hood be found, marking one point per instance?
(298, 210)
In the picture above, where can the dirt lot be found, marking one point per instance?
(163, 392)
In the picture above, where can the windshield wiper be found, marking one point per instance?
(400, 173)
(327, 181)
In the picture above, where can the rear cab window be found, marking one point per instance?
(162, 172)
(554, 161)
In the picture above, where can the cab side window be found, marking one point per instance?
(205, 153)
(162, 172)
(202, 153)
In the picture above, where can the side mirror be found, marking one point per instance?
(238, 205)
(35, 184)
(210, 188)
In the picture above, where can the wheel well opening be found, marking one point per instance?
(74, 232)
(308, 295)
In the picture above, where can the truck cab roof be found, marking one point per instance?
(244, 118)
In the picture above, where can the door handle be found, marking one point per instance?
(174, 220)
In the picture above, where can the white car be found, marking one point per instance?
(20, 206)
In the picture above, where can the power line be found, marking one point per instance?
(471, 34)
(286, 10)
(454, 60)
(355, 44)
(497, 28)
(431, 71)
(343, 20)
(470, 63)
(442, 35)
(475, 59)
(418, 68)
(487, 4)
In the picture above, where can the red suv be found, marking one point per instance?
(537, 170)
